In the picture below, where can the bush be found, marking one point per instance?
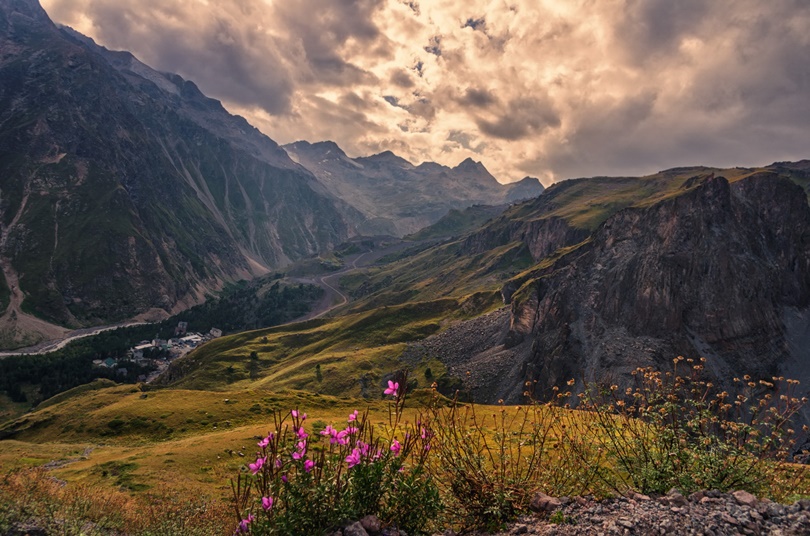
(674, 430)
(491, 464)
(302, 485)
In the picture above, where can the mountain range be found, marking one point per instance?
(124, 190)
(398, 198)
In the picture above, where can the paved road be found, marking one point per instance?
(333, 298)
(58, 344)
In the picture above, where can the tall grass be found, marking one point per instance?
(466, 466)
(32, 498)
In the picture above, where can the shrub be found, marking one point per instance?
(678, 430)
(302, 485)
(491, 464)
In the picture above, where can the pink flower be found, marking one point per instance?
(278, 463)
(284, 478)
(393, 388)
(243, 525)
(364, 448)
(343, 435)
(301, 452)
(353, 458)
(331, 432)
(303, 416)
(256, 467)
(396, 447)
(267, 503)
(294, 413)
(301, 433)
(308, 465)
(353, 416)
(266, 441)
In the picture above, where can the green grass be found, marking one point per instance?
(356, 352)
(458, 222)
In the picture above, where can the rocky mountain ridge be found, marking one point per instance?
(397, 197)
(718, 270)
(124, 189)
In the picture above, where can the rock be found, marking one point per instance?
(519, 529)
(638, 496)
(371, 524)
(355, 529)
(728, 519)
(544, 503)
(744, 498)
(697, 496)
(676, 499)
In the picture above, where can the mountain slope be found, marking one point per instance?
(398, 198)
(710, 268)
(124, 189)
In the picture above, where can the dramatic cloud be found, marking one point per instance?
(552, 89)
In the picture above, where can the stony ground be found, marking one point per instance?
(703, 513)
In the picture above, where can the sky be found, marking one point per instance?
(549, 89)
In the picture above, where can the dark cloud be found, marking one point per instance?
(651, 28)
(422, 107)
(522, 117)
(323, 27)
(227, 48)
(224, 56)
(478, 98)
(402, 79)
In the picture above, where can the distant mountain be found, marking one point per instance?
(123, 189)
(398, 198)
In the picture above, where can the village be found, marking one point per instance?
(158, 353)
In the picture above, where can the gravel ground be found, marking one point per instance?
(703, 513)
(708, 513)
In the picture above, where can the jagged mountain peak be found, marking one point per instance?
(386, 157)
(324, 149)
(397, 197)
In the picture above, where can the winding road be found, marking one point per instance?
(333, 298)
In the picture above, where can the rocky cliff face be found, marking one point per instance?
(394, 196)
(124, 189)
(716, 270)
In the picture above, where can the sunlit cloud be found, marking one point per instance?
(552, 89)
